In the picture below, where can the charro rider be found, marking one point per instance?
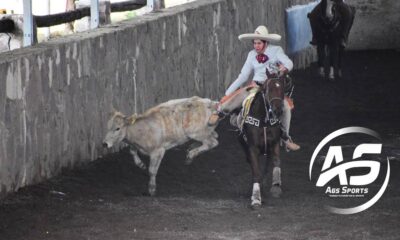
(264, 61)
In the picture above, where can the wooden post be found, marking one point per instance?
(28, 23)
(94, 14)
(155, 5)
(105, 12)
(69, 27)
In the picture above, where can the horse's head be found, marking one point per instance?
(328, 11)
(274, 94)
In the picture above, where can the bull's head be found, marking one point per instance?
(117, 128)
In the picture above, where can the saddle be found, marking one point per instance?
(244, 116)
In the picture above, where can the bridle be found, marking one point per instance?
(333, 22)
(269, 100)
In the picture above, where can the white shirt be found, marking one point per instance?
(275, 55)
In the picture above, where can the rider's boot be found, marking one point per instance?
(285, 124)
(291, 145)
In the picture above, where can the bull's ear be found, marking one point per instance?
(130, 120)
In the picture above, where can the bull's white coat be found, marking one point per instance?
(163, 127)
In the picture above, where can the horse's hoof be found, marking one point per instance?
(340, 74)
(188, 160)
(255, 205)
(321, 72)
(152, 191)
(276, 191)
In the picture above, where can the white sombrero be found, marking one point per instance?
(261, 33)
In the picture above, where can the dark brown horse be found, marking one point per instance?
(331, 21)
(261, 134)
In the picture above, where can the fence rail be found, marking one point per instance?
(7, 25)
(60, 18)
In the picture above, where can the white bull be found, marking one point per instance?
(163, 127)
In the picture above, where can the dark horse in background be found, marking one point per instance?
(262, 133)
(331, 21)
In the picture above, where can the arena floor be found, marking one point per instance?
(210, 199)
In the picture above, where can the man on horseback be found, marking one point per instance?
(265, 61)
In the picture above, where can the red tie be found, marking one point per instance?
(262, 58)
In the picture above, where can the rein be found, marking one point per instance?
(270, 100)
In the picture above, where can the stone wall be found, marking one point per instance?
(55, 97)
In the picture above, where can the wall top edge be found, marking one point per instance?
(55, 43)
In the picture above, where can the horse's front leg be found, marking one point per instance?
(333, 60)
(276, 190)
(254, 152)
(321, 59)
(339, 62)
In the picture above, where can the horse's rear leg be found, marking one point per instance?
(276, 190)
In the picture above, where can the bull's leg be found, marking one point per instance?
(254, 152)
(214, 134)
(207, 144)
(155, 160)
(137, 159)
(276, 190)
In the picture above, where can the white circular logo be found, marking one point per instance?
(335, 167)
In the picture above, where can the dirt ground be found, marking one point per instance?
(210, 199)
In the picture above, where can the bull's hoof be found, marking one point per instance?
(142, 166)
(152, 190)
(189, 158)
(276, 191)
